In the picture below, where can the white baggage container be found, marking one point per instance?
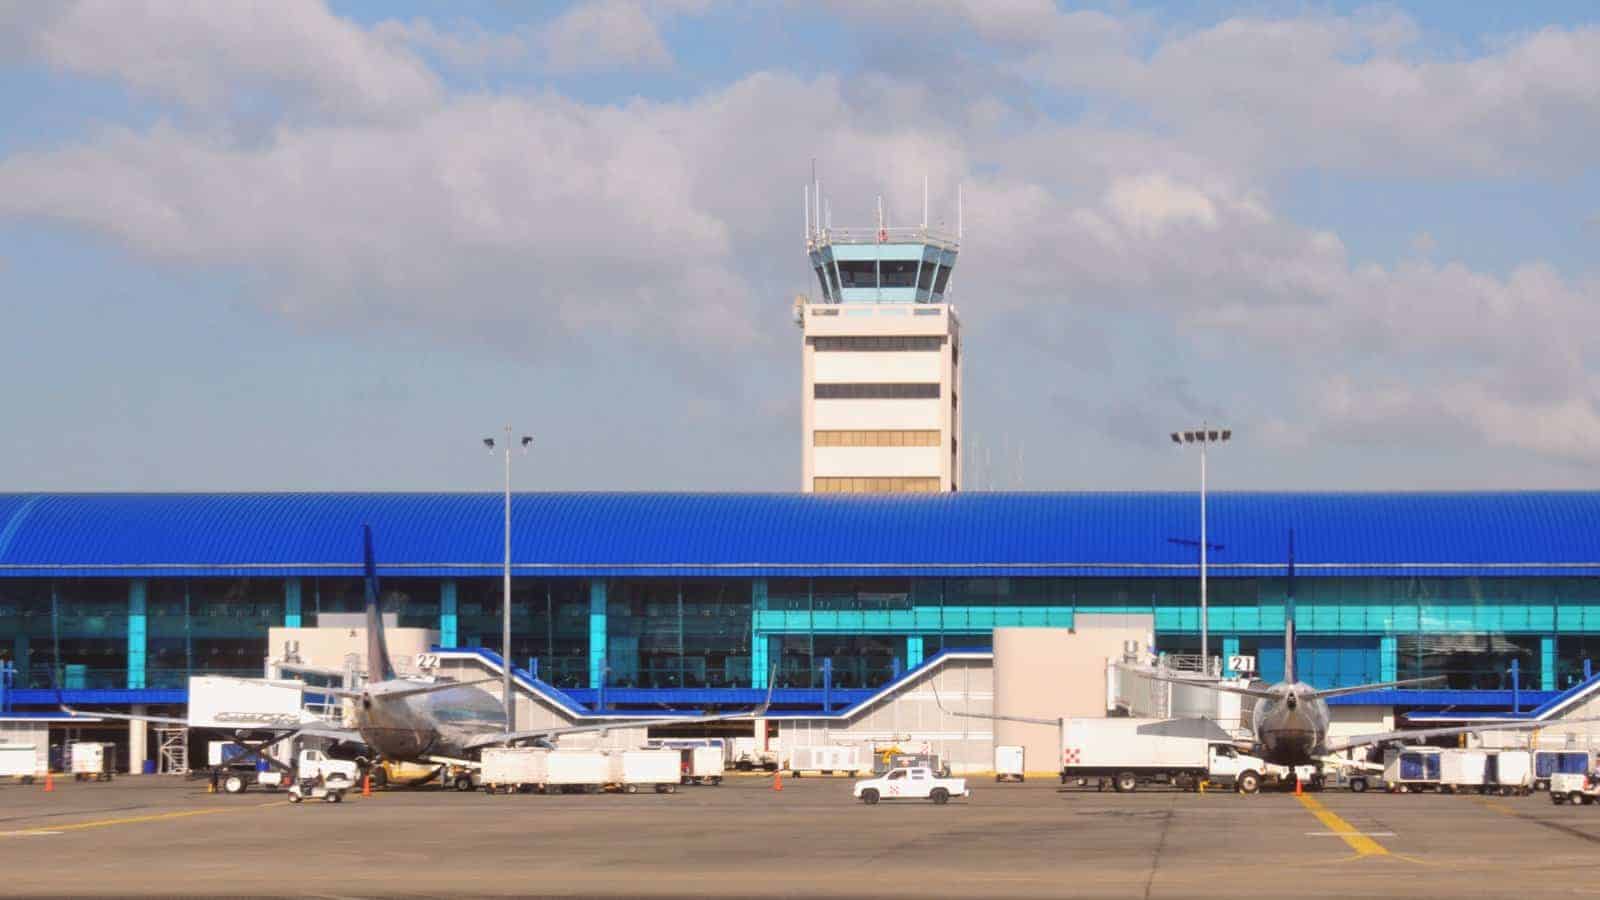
(514, 768)
(828, 758)
(701, 760)
(92, 762)
(702, 765)
(1412, 769)
(1510, 772)
(1462, 770)
(20, 761)
(633, 769)
(1008, 764)
(587, 770)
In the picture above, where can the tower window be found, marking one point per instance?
(882, 438)
(871, 391)
(899, 272)
(943, 279)
(858, 274)
(866, 343)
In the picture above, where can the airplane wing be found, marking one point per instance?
(1418, 734)
(401, 689)
(125, 717)
(533, 734)
(1375, 686)
(1258, 693)
(1030, 720)
(309, 729)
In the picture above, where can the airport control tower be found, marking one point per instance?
(882, 358)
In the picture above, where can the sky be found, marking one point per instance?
(303, 245)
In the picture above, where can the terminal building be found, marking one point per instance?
(646, 601)
(133, 593)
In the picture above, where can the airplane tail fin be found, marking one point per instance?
(378, 668)
(1288, 620)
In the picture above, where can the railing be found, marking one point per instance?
(1188, 662)
(900, 234)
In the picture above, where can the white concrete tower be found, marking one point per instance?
(882, 358)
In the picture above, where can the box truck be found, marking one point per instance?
(1125, 753)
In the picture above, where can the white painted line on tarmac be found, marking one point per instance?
(25, 833)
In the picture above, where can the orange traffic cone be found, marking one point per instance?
(777, 780)
(1297, 791)
(366, 785)
(49, 782)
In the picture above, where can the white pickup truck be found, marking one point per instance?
(1573, 788)
(915, 783)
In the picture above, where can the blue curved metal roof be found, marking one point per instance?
(967, 534)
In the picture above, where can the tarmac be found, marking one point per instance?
(158, 835)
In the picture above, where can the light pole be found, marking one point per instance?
(505, 606)
(1203, 436)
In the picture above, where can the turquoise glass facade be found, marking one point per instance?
(734, 631)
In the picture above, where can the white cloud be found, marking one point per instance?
(535, 221)
(464, 44)
(604, 34)
(1361, 94)
(1150, 203)
(205, 55)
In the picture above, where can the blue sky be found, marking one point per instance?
(320, 247)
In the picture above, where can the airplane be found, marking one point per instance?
(405, 720)
(1289, 722)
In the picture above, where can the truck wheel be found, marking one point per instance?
(1358, 785)
(869, 796)
(1557, 799)
(1249, 782)
(940, 796)
(634, 789)
(463, 783)
(294, 797)
(1126, 783)
(1574, 798)
(233, 784)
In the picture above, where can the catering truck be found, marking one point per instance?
(1125, 753)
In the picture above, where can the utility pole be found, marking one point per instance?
(505, 607)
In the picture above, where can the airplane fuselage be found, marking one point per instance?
(438, 724)
(1292, 726)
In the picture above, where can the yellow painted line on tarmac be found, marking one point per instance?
(1497, 806)
(132, 820)
(1359, 842)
